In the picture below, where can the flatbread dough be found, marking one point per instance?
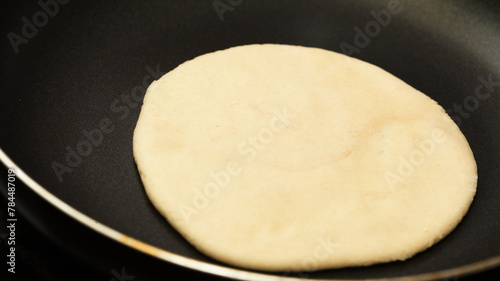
(277, 157)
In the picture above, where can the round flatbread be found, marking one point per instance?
(277, 157)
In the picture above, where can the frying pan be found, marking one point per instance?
(78, 67)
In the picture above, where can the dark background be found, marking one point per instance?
(92, 52)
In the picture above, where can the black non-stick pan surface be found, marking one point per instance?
(73, 68)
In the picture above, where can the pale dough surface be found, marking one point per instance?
(277, 157)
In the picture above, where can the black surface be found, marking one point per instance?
(67, 77)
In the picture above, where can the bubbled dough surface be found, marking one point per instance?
(327, 189)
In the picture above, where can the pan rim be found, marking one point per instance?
(205, 267)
